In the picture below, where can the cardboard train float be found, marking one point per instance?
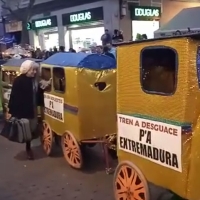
(153, 116)
(80, 105)
(158, 109)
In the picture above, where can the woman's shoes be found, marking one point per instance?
(30, 155)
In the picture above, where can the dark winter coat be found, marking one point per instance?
(21, 103)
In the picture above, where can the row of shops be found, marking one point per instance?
(80, 29)
(83, 26)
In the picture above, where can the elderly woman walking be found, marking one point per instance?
(25, 96)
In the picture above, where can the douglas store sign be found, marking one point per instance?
(145, 13)
(42, 23)
(84, 16)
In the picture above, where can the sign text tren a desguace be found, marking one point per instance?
(156, 141)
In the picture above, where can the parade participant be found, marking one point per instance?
(25, 96)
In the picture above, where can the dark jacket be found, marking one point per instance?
(109, 54)
(21, 103)
(106, 39)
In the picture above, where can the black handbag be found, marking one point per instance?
(9, 129)
(13, 131)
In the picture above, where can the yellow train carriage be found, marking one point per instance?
(9, 71)
(80, 106)
(158, 106)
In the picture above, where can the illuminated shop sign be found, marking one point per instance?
(84, 16)
(42, 23)
(145, 13)
(81, 17)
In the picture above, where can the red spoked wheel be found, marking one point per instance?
(71, 150)
(47, 139)
(129, 183)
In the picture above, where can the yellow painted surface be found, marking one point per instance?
(96, 114)
(183, 107)
(97, 109)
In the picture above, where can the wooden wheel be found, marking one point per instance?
(47, 138)
(71, 150)
(129, 183)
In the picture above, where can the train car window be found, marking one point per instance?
(46, 75)
(198, 65)
(59, 79)
(159, 70)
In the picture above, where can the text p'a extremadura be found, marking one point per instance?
(153, 153)
(53, 113)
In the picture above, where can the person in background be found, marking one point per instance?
(121, 37)
(50, 52)
(55, 50)
(99, 49)
(38, 53)
(144, 37)
(72, 50)
(33, 54)
(107, 53)
(62, 49)
(26, 95)
(106, 38)
(117, 36)
(111, 49)
(93, 49)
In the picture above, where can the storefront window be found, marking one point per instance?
(48, 38)
(144, 27)
(51, 40)
(84, 38)
(145, 20)
(158, 71)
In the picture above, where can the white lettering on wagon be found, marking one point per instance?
(54, 107)
(155, 141)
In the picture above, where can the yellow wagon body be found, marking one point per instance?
(81, 103)
(88, 112)
(181, 109)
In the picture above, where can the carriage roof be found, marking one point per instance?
(81, 60)
(17, 62)
(193, 36)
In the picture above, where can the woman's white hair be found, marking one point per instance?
(27, 65)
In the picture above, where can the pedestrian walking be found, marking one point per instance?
(25, 96)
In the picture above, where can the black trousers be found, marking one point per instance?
(28, 146)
